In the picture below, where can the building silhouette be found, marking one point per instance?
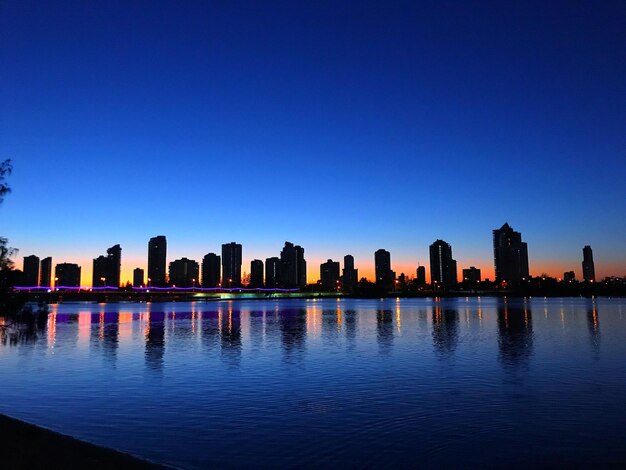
(292, 267)
(256, 274)
(382, 265)
(231, 264)
(30, 273)
(157, 257)
(99, 272)
(184, 273)
(138, 277)
(272, 272)
(569, 276)
(589, 270)
(114, 265)
(510, 255)
(46, 272)
(471, 275)
(442, 265)
(67, 275)
(350, 275)
(211, 270)
(420, 279)
(329, 275)
(106, 269)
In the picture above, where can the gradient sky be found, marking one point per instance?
(341, 126)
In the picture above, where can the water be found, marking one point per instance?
(326, 383)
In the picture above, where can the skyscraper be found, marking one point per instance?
(510, 255)
(350, 275)
(46, 272)
(382, 265)
(31, 271)
(589, 269)
(292, 266)
(231, 264)
(442, 265)
(67, 275)
(329, 275)
(157, 257)
(256, 273)
(184, 273)
(211, 270)
(106, 269)
(114, 265)
(420, 280)
(138, 277)
(272, 272)
(99, 272)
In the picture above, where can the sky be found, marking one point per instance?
(344, 127)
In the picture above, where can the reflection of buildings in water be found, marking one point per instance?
(384, 330)
(105, 333)
(593, 323)
(230, 333)
(445, 330)
(293, 328)
(110, 336)
(349, 320)
(515, 334)
(331, 323)
(155, 340)
(257, 328)
(210, 327)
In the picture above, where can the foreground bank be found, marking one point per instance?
(28, 446)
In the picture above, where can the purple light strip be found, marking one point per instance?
(194, 289)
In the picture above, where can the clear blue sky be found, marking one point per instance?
(342, 126)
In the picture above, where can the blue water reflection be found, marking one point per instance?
(293, 383)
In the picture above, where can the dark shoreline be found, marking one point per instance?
(28, 446)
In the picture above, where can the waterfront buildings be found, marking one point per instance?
(382, 265)
(46, 272)
(510, 255)
(420, 279)
(442, 266)
(30, 273)
(292, 267)
(99, 272)
(589, 270)
(67, 275)
(272, 272)
(256, 273)
(211, 270)
(231, 264)
(471, 275)
(350, 275)
(329, 275)
(184, 273)
(157, 257)
(138, 277)
(106, 269)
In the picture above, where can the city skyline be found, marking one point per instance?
(209, 273)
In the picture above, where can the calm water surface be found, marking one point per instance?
(352, 383)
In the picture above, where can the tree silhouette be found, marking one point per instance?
(5, 170)
(6, 252)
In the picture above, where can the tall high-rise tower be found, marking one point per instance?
(231, 264)
(382, 266)
(589, 269)
(157, 257)
(442, 265)
(31, 271)
(510, 255)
